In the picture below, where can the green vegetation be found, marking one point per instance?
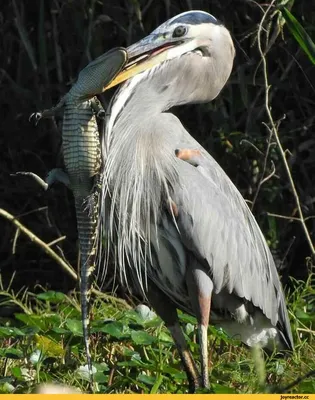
(135, 354)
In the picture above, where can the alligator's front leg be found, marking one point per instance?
(51, 112)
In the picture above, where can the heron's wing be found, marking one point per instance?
(217, 226)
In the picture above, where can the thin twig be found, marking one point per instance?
(276, 135)
(60, 239)
(65, 266)
(284, 217)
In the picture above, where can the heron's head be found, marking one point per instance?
(195, 34)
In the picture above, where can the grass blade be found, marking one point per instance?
(300, 34)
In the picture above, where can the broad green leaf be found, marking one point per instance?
(221, 389)
(300, 314)
(187, 318)
(101, 367)
(164, 337)
(307, 387)
(75, 326)
(6, 331)
(115, 329)
(148, 380)
(142, 337)
(11, 353)
(53, 297)
(300, 34)
(61, 331)
(42, 322)
(170, 370)
(17, 372)
(99, 377)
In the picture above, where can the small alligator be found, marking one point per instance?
(82, 158)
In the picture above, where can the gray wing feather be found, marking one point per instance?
(217, 225)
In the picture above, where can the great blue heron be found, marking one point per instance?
(180, 230)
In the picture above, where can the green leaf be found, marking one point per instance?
(11, 353)
(187, 318)
(6, 331)
(307, 387)
(101, 367)
(17, 372)
(300, 34)
(53, 297)
(300, 314)
(170, 370)
(142, 337)
(99, 377)
(148, 380)
(41, 322)
(221, 389)
(115, 329)
(75, 326)
(164, 337)
(61, 331)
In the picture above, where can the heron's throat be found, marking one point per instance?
(141, 171)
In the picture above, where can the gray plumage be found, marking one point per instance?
(178, 228)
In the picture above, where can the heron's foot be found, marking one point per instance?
(192, 156)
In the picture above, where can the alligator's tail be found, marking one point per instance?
(86, 223)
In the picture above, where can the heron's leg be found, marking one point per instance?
(55, 175)
(167, 311)
(200, 289)
(192, 156)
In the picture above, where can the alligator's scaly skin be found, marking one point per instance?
(82, 158)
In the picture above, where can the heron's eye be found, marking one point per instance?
(179, 31)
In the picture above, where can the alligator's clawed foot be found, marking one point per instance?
(37, 178)
(101, 114)
(35, 117)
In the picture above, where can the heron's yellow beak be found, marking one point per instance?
(138, 64)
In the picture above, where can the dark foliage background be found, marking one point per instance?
(43, 46)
